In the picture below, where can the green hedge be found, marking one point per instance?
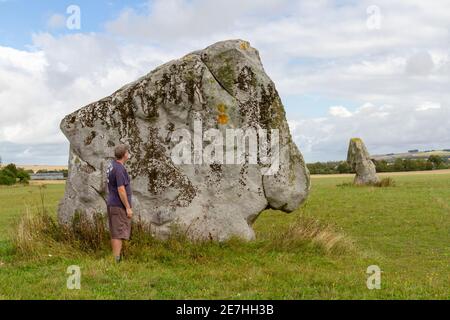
(10, 175)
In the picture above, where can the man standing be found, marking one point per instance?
(119, 200)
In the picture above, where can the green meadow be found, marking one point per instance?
(320, 251)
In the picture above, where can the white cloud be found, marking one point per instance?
(420, 63)
(340, 111)
(178, 22)
(60, 76)
(383, 128)
(427, 106)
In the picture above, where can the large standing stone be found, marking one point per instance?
(359, 160)
(226, 87)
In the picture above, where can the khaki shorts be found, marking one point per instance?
(119, 223)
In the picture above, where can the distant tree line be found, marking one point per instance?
(330, 167)
(333, 167)
(432, 163)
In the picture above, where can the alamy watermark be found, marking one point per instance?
(73, 22)
(374, 279)
(74, 278)
(373, 21)
(229, 146)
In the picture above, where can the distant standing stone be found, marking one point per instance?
(359, 160)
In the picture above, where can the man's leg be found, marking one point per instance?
(116, 245)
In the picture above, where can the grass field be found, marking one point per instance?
(405, 230)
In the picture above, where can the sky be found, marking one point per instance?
(378, 70)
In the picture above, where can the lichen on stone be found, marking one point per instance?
(90, 137)
(246, 79)
(244, 45)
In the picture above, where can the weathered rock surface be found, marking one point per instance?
(359, 160)
(226, 86)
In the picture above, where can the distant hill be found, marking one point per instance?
(414, 154)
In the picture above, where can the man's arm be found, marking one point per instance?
(124, 199)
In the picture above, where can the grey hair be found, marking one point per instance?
(120, 150)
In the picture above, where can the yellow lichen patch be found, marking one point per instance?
(221, 107)
(244, 45)
(222, 119)
(188, 57)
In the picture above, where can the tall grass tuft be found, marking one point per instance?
(383, 183)
(39, 232)
(307, 231)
